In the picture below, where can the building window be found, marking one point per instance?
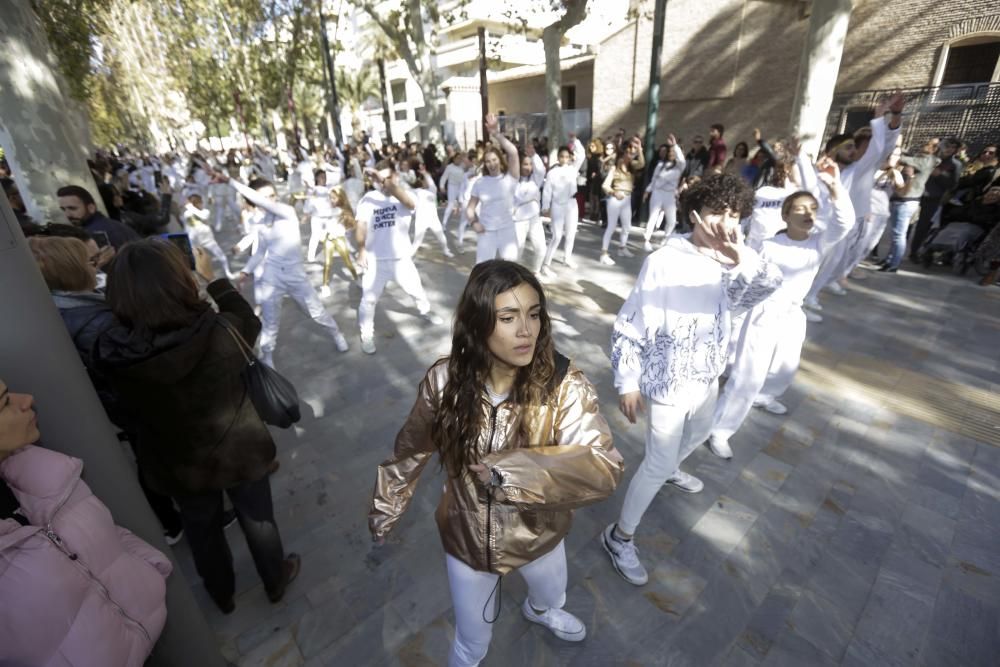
(569, 97)
(398, 92)
(972, 63)
(399, 114)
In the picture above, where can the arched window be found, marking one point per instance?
(969, 59)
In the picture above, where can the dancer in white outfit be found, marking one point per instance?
(559, 201)
(319, 212)
(669, 347)
(773, 332)
(468, 181)
(858, 175)
(493, 195)
(527, 212)
(195, 220)
(426, 216)
(452, 180)
(385, 250)
(279, 251)
(662, 191)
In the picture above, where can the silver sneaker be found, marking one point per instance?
(561, 623)
(686, 483)
(624, 557)
(368, 344)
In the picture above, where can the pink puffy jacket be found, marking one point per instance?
(75, 589)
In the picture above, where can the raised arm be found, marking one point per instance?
(257, 199)
(579, 153)
(509, 149)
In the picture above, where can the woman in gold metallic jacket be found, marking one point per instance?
(518, 430)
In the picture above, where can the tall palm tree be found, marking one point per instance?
(353, 90)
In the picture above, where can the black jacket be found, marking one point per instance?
(197, 427)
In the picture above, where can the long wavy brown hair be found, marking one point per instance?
(460, 417)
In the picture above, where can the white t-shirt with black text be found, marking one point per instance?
(388, 223)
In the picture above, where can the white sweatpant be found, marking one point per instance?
(672, 433)
(454, 204)
(223, 206)
(501, 241)
(868, 239)
(473, 595)
(532, 230)
(378, 274)
(831, 265)
(276, 282)
(662, 205)
(317, 232)
(427, 219)
(212, 247)
(768, 353)
(565, 219)
(619, 212)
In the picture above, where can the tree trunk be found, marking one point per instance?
(552, 36)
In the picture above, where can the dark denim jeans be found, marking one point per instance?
(202, 517)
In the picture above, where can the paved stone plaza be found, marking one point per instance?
(862, 528)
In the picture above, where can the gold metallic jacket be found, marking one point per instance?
(568, 461)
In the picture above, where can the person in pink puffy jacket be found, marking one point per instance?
(87, 592)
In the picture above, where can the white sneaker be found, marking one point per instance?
(685, 482)
(771, 405)
(647, 246)
(561, 623)
(341, 343)
(448, 253)
(720, 447)
(812, 303)
(324, 292)
(812, 316)
(368, 344)
(625, 252)
(432, 318)
(836, 288)
(624, 557)
(547, 272)
(606, 259)
(570, 263)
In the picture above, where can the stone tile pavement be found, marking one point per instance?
(863, 528)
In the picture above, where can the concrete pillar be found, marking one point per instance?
(37, 357)
(818, 70)
(42, 131)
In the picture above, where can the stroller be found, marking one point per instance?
(953, 245)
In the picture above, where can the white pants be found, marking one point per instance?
(317, 232)
(768, 353)
(619, 212)
(221, 206)
(276, 282)
(565, 218)
(427, 219)
(531, 229)
(501, 241)
(378, 274)
(662, 205)
(473, 596)
(212, 248)
(672, 433)
(454, 204)
(831, 265)
(870, 235)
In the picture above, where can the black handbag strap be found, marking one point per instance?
(241, 343)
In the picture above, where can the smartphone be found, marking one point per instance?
(184, 244)
(101, 238)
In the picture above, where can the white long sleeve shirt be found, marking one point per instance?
(859, 176)
(671, 337)
(526, 200)
(318, 204)
(665, 178)
(452, 179)
(279, 241)
(560, 183)
(538, 170)
(799, 261)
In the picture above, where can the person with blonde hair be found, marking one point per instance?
(491, 204)
(335, 239)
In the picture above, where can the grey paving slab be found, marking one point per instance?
(845, 532)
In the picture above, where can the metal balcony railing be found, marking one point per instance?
(970, 112)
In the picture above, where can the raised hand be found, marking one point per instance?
(492, 123)
(756, 134)
(671, 140)
(723, 241)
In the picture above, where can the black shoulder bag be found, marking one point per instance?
(273, 396)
